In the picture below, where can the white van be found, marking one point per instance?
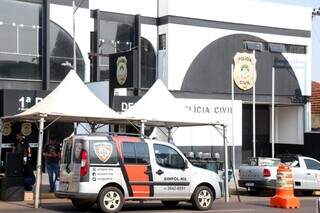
(108, 170)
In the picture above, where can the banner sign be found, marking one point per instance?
(17, 101)
(221, 112)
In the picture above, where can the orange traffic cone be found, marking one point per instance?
(284, 197)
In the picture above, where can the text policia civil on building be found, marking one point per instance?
(191, 51)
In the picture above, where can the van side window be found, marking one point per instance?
(136, 153)
(168, 157)
(67, 153)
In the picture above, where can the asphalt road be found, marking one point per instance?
(248, 204)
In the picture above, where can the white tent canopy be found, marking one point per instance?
(158, 107)
(71, 101)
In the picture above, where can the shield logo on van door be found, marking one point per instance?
(103, 151)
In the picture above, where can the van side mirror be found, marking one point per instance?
(185, 164)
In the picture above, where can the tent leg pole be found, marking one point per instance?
(39, 158)
(169, 134)
(142, 131)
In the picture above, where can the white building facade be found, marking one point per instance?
(194, 44)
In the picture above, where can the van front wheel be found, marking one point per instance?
(110, 199)
(202, 198)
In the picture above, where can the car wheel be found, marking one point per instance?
(170, 203)
(82, 204)
(202, 198)
(110, 199)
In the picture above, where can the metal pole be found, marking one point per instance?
(272, 115)
(74, 36)
(1, 125)
(254, 114)
(142, 128)
(226, 184)
(169, 134)
(38, 178)
(232, 120)
(75, 127)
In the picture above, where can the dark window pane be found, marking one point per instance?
(19, 12)
(277, 48)
(148, 64)
(8, 38)
(142, 153)
(168, 157)
(129, 155)
(67, 152)
(114, 37)
(19, 66)
(60, 67)
(19, 22)
(61, 54)
(78, 147)
(162, 42)
(28, 40)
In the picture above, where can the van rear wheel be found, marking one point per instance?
(82, 204)
(202, 198)
(110, 199)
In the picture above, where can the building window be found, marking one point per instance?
(61, 54)
(114, 37)
(274, 47)
(252, 45)
(277, 48)
(148, 64)
(20, 35)
(162, 42)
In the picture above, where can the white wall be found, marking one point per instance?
(221, 112)
(315, 35)
(288, 125)
(254, 12)
(133, 7)
(62, 15)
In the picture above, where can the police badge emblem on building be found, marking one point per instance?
(103, 151)
(122, 71)
(244, 70)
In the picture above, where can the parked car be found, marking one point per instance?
(108, 170)
(261, 173)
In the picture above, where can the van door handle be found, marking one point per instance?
(308, 174)
(159, 172)
(147, 172)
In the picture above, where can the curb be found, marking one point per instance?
(28, 196)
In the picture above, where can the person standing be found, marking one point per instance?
(52, 154)
(22, 147)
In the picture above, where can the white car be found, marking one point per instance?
(108, 170)
(262, 173)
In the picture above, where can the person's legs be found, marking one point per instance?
(56, 171)
(50, 170)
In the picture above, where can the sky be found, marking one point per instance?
(307, 3)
